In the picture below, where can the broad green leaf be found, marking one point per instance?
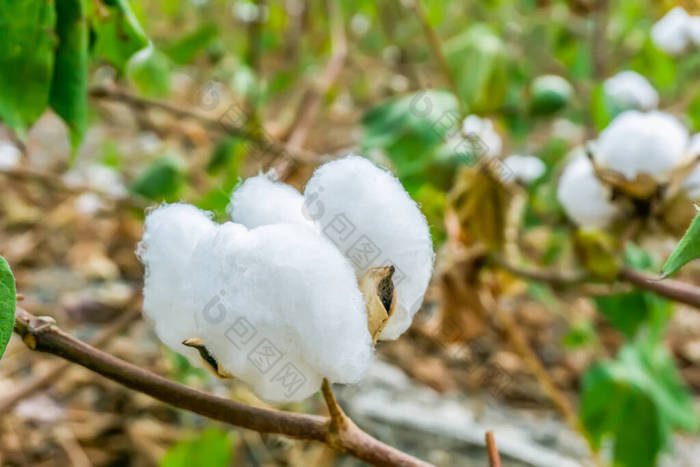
(479, 61)
(212, 448)
(69, 83)
(118, 33)
(149, 70)
(8, 297)
(186, 49)
(629, 311)
(229, 153)
(412, 131)
(27, 42)
(160, 181)
(636, 400)
(687, 249)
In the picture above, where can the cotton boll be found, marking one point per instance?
(652, 143)
(368, 215)
(631, 90)
(525, 168)
(170, 236)
(585, 199)
(261, 201)
(482, 128)
(670, 33)
(279, 308)
(9, 155)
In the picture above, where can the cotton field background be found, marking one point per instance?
(339, 233)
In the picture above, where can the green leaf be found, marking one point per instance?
(636, 400)
(186, 49)
(687, 249)
(8, 297)
(212, 448)
(411, 130)
(149, 70)
(27, 44)
(118, 33)
(629, 311)
(160, 181)
(69, 84)
(479, 61)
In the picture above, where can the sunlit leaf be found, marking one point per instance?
(118, 33)
(211, 448)
(7, 304)
(149, 70)
(687, 249)
(27, 42)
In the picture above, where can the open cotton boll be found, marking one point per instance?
(170, 236)
(525, 168)
(670, 33)
(693, 27)
(652, 143)
(474, 126)
(584, 198)
(278, 307)
(260, 200)
(631, 90)
(369, 216)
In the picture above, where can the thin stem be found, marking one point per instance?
(494, 457)
(436, 47)
(46, 337)
(220, 124)
(338, 417)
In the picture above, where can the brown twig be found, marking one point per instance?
(436, 47)
(494, 457)
(668, 288)
(52, 374)
(221, 124)
(44, 336)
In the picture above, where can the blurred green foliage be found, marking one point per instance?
(210, 448)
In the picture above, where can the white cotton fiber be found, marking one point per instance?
(670, 33)
(373, 221)
(584, 198)
(261, 201)
(631, 90)
(652, 143)
(525, 168)
(170, 236)
(279, 308)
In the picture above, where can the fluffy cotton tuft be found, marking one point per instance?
(652, 143)
(525, 168)
(670, 33)
(170, 236)
(368, 215)
(585, 199)
(631, 90)
(261, 200)
(276, 306)
(285, 299)
(482, 128)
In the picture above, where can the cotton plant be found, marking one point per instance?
(630, 90)
(676, 32)
(297, 287)
(524, 168)
(586, 200)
